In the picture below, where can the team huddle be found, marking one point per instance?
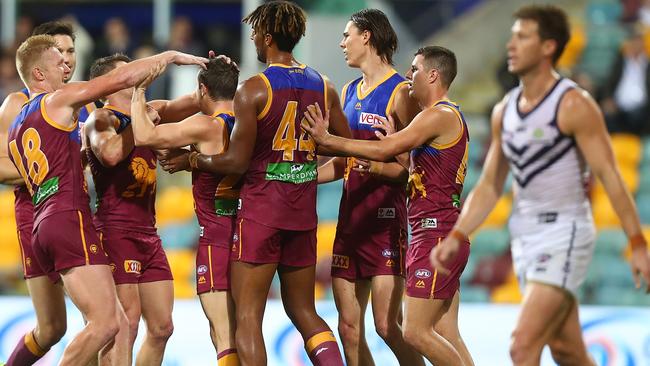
(400, 146)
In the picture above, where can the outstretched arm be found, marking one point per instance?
(480, 201)
(109, 147)
(176, 109)
(61, 104)
(579, 116)
(249, 100)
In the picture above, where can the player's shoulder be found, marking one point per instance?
(16, 99)
(99, 120)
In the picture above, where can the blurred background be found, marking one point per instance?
(606, 34)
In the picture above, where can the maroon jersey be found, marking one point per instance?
(279, 188)
(436, 180)
(370, 204)
(48, 158)
(126, 193)
(215, 195)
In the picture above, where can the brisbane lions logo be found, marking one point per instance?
(144, 175)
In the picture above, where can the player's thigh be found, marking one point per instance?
(129, 297)
(250, 285)
(48, 299)
(157, 301)
(351, 299)
(447, 325)
(297, 286)
(387, 293)
(543, 309)
(92, 290)
(422, 314)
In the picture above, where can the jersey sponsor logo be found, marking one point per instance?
(225, 207)
(429, 223)
(235, 238)
(390, 253)
(201, 280)
(386, 213)
(340, 261)
(543, 258)
(419, 284)
(202, 269)
(370, 119)
(201, 231)
(132, 266)
(455, 200)
(422, 273)
(239, 204)
(45, 190)
(288, 172)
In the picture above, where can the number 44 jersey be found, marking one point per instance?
(47, 156)
(279, 188)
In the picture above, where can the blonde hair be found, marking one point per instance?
(30, 52)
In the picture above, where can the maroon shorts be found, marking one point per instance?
(424, 282)
(212, 267)
(260, 244)
(31, 268)
(360, 256)
(135, 257)
(67, 239)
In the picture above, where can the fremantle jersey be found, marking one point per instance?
(23, 200)
(47, 156)
(126, 193)
(436, 177)
(369, 203)
(548, 169)
(216, 195)
(279, 188)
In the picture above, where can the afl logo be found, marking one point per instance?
(203, 269)
(390, 253)
(422, 273)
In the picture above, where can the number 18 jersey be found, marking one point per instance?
(279, 188)
(48, 157)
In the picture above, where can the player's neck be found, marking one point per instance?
(374, 71)
(274, 56)
(39, 87)
(211, 107)
(536, 83)
(435, 95)
(120, 102)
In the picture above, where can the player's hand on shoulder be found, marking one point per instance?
(443, 253)
(316, 124)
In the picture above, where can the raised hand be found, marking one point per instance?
(316, 124)
(385, 125)
(181, 58)
(640, 265)
(153, 74)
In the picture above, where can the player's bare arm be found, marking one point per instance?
(61, 104)
(107, 145)
(192, 130)
(481, 200)
(404, 110)
(580, 117)
(334, 169)
(9, 109)
(249, 100)
(425, 127)
(176, 109)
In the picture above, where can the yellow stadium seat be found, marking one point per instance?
(9, 247)
(174, 204)
(604, 214)
(508, 292)
(573, 49)
(325, 238)
(500, 214)
(7, 203)
(182, 263)
(627, 149)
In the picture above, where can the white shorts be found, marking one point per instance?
(554, 253)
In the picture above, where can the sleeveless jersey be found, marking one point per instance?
(436, 177)
(126, 193)
(548, 169)
(48, 158)
(369, 203)
(279, 188)
(215, 195)
(22, 199)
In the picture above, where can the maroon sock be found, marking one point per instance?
(27, 352)
(323, 349)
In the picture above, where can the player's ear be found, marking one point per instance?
(37, 74)
(433, 75)
(365, 35)
(548, 47)
(268, 38)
